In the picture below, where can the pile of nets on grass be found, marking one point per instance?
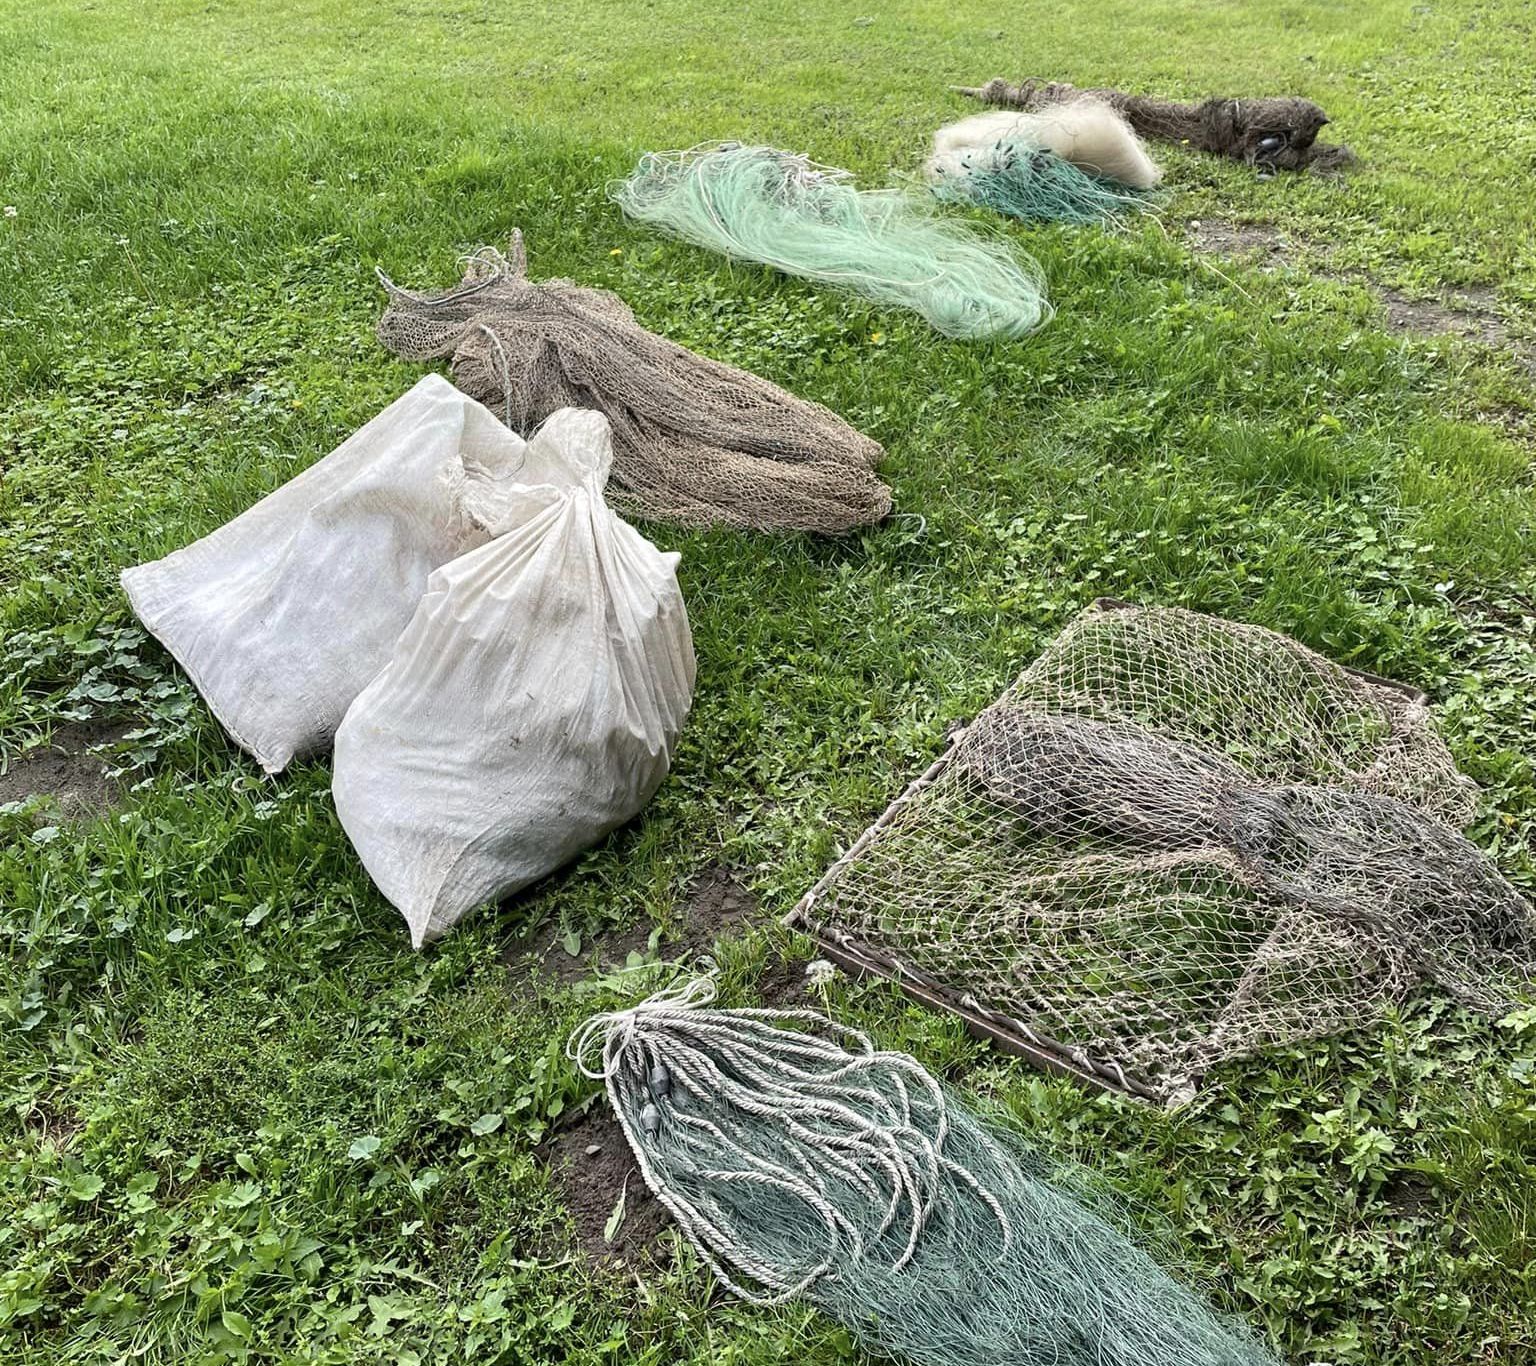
(802, 1163)
(1175, 840)
(1077, 163)
(1266, 131)
(694, 441)
(786, 211)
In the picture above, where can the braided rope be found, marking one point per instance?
(799, 1160)
(853, 1134)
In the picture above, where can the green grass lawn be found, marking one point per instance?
(241, 1120)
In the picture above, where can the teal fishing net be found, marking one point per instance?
(1035, 186)
(802, 1162)
(786, 211)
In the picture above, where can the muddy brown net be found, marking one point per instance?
(1279, 131)
(694, 441)
(1175, 840)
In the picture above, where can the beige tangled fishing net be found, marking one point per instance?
(694, 441)
(1175, 840)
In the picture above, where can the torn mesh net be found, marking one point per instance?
(1176, 840)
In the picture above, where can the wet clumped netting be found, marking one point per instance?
(1176, 840)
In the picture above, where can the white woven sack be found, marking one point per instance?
(531, 705)
(282, 615)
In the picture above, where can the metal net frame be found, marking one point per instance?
(1173, 841)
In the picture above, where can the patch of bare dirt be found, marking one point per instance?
(783, 984)
(1518, 424)
(1469, 313)
(1218, 237)
(1464, 315)
(51, 1124)
(719, 906)
(68, 769)
(1413, 1194)
(592, 1162)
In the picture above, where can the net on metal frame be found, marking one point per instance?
(1176, 840)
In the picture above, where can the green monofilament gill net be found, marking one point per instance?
(1035, 185)
(801, 1162)
(786, 211)
(1175, 840)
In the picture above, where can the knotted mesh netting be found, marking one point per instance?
(804, 1164)
(786, 211)
(695, 441)
(1279, 131)
(1175, 840)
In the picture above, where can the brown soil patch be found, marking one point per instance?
(782, 984)
(718, 907)
(52, 1125)
(593, 1163)
(66, 769)
(718, 904)
(1519, 424)
(1469, 313)
(1412, 1194)
(1217, 237)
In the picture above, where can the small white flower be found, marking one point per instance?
(11, 211)
(819, 972)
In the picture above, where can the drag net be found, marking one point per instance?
(1033, 185)
(803, 1164)
(694, 441)
(1279, 131)
(787, 211)
(1175, 840)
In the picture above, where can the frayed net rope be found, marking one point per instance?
(801, 1161)
(723, 1075)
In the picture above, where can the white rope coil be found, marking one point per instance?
(802, 1111)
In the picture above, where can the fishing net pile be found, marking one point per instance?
(1072, 163)
(786, 211)
(694, 441)
(1175, 840)
(1277, 131)
(803, 1163)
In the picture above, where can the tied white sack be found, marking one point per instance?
(532, 704)
(283, 615)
